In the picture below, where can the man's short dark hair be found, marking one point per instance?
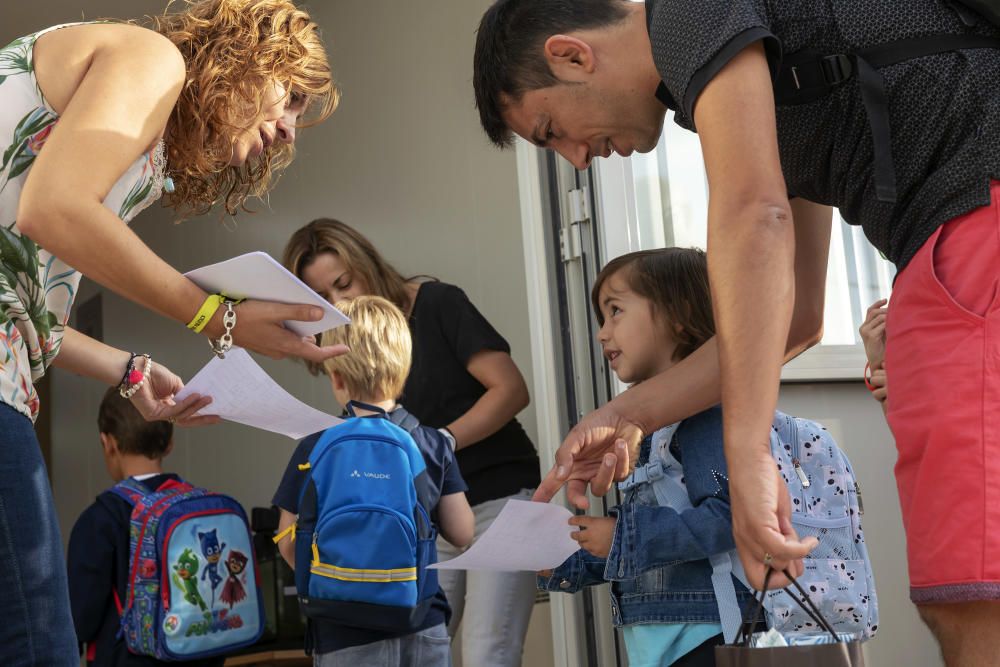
(119, 418)
(509, 61)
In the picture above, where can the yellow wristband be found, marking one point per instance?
(206, 312)
(285, 533)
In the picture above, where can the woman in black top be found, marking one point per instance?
(464, 382)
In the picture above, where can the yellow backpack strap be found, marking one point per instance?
(283, 534)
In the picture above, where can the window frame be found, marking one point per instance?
(623, 230)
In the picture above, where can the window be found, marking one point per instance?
(664, 196)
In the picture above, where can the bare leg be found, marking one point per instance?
(968, 632)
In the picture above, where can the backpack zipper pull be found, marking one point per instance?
(801, 473)
(315, 551)
(861, 502)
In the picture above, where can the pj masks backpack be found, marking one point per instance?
(193, 589)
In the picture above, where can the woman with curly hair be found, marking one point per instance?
(97, 121)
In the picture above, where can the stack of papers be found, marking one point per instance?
(257, 275)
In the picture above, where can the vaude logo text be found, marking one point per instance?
(371, 475)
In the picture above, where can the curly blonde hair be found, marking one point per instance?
(233, 50)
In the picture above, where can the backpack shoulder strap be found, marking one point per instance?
(427, 493)
(726, 566)
(805, 76)
(131, 491)
(174, 484)
(404, 420)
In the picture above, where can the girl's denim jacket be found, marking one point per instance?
(658, 564)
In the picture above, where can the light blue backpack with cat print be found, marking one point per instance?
(826, 503)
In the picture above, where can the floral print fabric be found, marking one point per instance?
(37, 288)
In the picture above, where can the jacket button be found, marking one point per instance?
(564, 584)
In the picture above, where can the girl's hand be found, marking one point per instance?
(155, 399)
(880, 381)
(595, 535)
(598, 451)
(260, 328)
(872, 332)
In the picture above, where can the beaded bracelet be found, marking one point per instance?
(133, 379)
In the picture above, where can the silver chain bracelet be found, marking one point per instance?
(225, 342)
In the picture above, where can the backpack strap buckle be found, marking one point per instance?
(824, 71)
(837, 68)
(642, 475)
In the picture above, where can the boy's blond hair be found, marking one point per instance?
(379, 339)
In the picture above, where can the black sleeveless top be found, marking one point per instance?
(943, 110)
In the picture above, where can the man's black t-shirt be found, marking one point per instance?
(447, 331)
(944, 109)
(444, 475)
(97, 564)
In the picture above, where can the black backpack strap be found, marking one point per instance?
(876, 103)
(806, 76)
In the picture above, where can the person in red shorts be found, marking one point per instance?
(890, 112)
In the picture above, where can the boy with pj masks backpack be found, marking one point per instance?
(99, 544)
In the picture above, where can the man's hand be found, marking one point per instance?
(762, 522)
(761, 273)
(595, 535)
(600, 449)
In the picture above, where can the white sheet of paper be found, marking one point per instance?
(524, 536)
(242, 392)
(257, 275)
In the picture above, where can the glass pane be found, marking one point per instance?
(671, 193)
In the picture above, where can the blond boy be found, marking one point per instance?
(373, 374)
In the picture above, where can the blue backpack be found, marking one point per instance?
(364, 536)
(193, 589)
(826, 503)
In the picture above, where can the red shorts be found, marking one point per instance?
(943, 369)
